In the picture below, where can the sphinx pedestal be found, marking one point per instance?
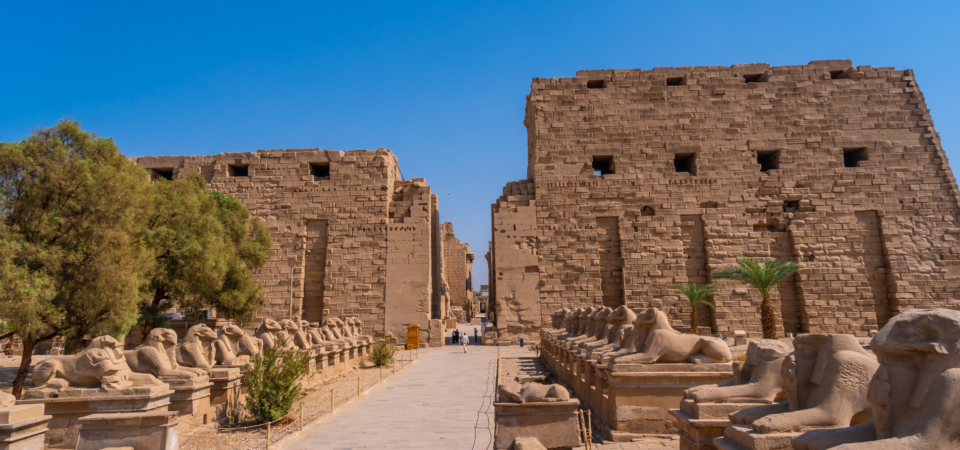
(226, 394)
(636, 398)
(742, 437)
(554, 424)
(700, 423)
(74, 403)
(22, 427)
(191, 400)
(147, 431)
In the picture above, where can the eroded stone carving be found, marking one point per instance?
(617, 321)
(197, 349)
(531, 392)
(267, 332)
(758, 379)
(235, 347)
(654, 340)
(357, 327)
(915, 393)
(101, 365)
(157, 357)
(826, 380)
(7, 400)
(299, 338)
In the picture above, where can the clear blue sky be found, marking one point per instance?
(442, 85)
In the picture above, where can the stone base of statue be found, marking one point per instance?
(326, 362)
(700, 423)
(70, 404)
(226, 395)
(554, 424)
(742, 437)
(191, 400)
(636, 398)
(141, 431)
(22, 427)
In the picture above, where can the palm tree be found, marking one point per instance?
(765, 278)
(697, 294)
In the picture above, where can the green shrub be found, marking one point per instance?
(273, 382)
(382, 351)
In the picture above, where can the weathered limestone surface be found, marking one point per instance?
(142, 431)
(914, 395)
(536, 411)
(640, 179)
(96, 380)
(350, 234)
(22, 427)
(704, 412)
(826, 379)
(594, 350)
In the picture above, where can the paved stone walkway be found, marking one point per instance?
(443, 401)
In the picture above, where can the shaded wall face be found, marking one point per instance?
(351, 237)
(834, 167)
(514, 265)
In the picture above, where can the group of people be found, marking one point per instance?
(464, 338)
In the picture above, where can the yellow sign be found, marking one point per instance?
(413, 337)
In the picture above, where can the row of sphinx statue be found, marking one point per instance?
(621, 336)
(901, 392)
(104, 365)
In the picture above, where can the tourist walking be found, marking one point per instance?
(476, 336)
(463, 342)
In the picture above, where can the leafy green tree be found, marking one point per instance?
(696, 294)
(70, 265)
(765, 278)
(204, 245)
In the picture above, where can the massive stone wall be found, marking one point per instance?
(457, 269)
(640, 179)
(350, 235)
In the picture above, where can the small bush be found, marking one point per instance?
(273, 382)
(741, 358)
(382, 351)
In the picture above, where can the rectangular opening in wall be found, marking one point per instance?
(853, 156)
(674, 81)
(237, 170)
(320, 170)
(166, 174)
(752, 78)
(602, 165)
(791, 206)
(836, 74)
(596, 84)
(768, 160)
(685, 162)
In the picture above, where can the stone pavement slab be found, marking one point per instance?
(443, 401)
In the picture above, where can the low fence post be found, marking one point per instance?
(268, 436)
(301, 415)
(331, 400)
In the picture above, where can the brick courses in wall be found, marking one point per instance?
(836, 167)
(353, 237)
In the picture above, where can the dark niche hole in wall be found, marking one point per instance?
(768, 160)
(685, 162)
(238, 170)
(166, 174)
(753, 78)
(836, 74)
(647, 211)
(596, 84)
(602, 165)
(674, 81)
(320, 170)
(791, 206)
(853, 156)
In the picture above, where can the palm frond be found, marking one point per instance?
(764, 277)
(697, 294)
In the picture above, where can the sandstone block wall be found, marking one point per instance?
(353, 237)
(672, 172)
